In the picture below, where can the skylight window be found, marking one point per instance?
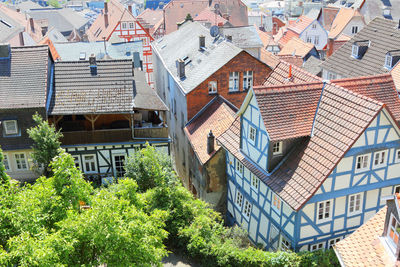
(6, 23)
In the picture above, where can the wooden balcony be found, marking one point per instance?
(112, 135)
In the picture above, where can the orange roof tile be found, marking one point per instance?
(269, 58)
(363, 247)
(293, 60)
(343, 17)
(296, 47)
(53, 52)
(396, 76)
(379, 87)
(287, 35)
(300, 24)
(329, 14)
(266, 38)
(209, 16)
(217, 116)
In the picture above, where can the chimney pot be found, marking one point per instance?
(202, 42)
(210, 142)
(181, 68)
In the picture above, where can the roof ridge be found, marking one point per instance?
(287, 87)
(387, 74)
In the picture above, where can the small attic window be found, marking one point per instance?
(359, 48)
(82, 55)
(391, 59)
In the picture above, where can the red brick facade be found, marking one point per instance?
(199, 97)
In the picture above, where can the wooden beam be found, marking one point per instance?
(92, 118)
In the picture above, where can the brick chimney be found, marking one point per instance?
(130, 9)
(202, 42)
(93, 64)
(106, 14)
(105, 8)
(31, 24)
(210, 142)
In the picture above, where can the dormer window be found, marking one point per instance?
(10, 127)
(359, 48)
(391, 58)
(277, 148)
(393, 232)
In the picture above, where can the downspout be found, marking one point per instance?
(49, 95)
(132, 127)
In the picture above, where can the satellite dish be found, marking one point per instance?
(214, 31)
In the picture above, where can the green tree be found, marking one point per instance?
(46, 143)
(54, 3)
(4, 178)
(149, 168)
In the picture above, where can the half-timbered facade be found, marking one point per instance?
(307, 164)
(117, 24)
(106, 111)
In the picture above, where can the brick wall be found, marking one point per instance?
(199, 97)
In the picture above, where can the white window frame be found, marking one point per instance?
(325, 210)
(252, 134)
(380, 159)
(17, 158)
(388, 61)
(86, 161)
(255, 182)
(277, 148)
(131, 25)
(239, 199)
(354, 50)
(397, 156)
(276, 202)
(115, 162)
(247, 209)
(239, 167)
(352, 205)
(396, 189)
(333, 242)
(363, 162)
(7, 130)
(6, 162)
(234, 81)
(284, 243)
(248, 80)
(123, 25)
(391, 242)
(77, 161)
(212, 87)
(317, 246)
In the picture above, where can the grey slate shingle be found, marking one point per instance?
(384, 36)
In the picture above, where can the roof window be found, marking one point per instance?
(359, 48)
(391, 58)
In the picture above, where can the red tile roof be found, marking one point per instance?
(293, 60)
(329, 14)
(53, 52)
(288, 34)
(217, 116)
(208, 16)
(269, 58)
(396, 76)
(296, 47)
(380, 87)
(288, 110)
(300, 24)
(343, 17)
(280, 75)
(363, 247)
(340, 118)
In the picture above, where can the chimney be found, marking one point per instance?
(106, 20)
(31, 24)
(329, 51)
(18, 10)
(21, 38)
(202, 42)
(105, 8)
(210, 142)
(181, 68)
(93, 64)
(229, 38)
(130, 9)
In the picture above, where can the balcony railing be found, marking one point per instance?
(112, 135)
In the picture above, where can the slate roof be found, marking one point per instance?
(296, 46)
(244, 36)
(217, 116)
(280, 75)
(340, 118)
(64, 20)
(343, 17)
(70, 51)
(113, 90)
(380, 87)
(202, 63)
(374, 8)
(23, 79)
(363, 247)
(383, 35)
(312, 65)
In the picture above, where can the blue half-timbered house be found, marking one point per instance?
(308, 163)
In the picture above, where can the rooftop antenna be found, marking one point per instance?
(216, 10)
